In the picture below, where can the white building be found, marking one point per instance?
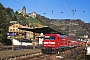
(24, 42)
(19, 11)
(33, 15)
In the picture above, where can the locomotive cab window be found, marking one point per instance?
(49, 38)
(63, 36)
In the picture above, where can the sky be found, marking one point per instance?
(53, 9)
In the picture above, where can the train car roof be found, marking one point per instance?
(44, 29)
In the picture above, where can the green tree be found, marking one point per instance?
(14, 18)
(16, 12)
(22, 20)
(3, 23)
(5, 17)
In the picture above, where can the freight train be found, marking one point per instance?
(54, 43)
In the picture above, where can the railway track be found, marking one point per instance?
(40, 57)
(72, 54)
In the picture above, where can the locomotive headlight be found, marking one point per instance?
(45, 42)
(52, 42)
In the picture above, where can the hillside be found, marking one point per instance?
(27, 20)
(69, 27)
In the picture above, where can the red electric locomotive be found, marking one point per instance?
(53, 43)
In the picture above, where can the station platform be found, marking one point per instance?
(10, 53)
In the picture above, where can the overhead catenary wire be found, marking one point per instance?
(71, 4)
(42, 6)
(18, 2)
(75, 9)
(22, 5)
(68, 5)
(72, 11)
(46, 9)
(64, 8)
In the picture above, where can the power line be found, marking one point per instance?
(72, 11)
(42, 5)
(21, 5)
(65, 8)
(68, 4)
(17, 2)
(71, 4)
(46, 9)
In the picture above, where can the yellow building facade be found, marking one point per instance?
(20, 33)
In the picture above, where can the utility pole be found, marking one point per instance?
(73, 11)
(34, 40)
(29, 31)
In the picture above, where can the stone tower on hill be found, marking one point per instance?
(24, 10)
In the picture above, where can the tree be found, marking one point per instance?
(15, 18)
(16, 12)
(22, 20)
(5, 18)
(3, 23)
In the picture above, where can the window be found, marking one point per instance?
(49, 37)
(10, 29)
(63, 36)
(16, 29)
(13, 29)
(17, 26)
(13, 26)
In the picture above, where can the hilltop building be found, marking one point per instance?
(33, 15)
(24, 10)
(19, 11)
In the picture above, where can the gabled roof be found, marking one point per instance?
(44, 30)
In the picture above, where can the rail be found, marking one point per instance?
(16, 54)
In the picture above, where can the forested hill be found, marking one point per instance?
(67, 26)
